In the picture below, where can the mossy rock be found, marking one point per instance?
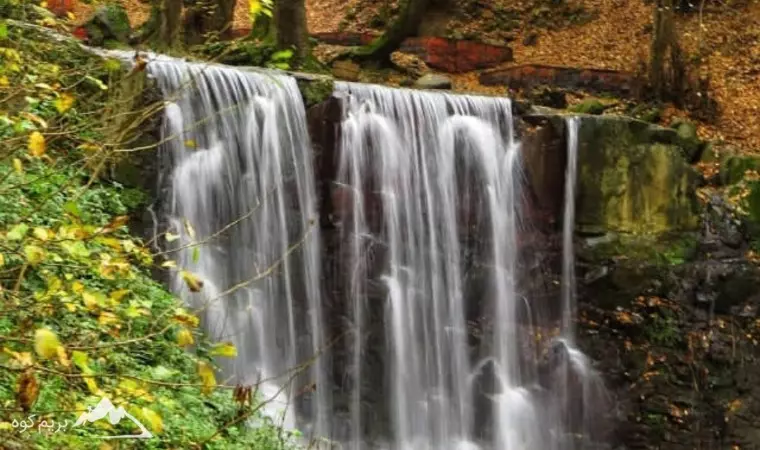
(630, 182)
(315, 91)
(688, 139)
(733, 168)
(109, 23)
(588, 106)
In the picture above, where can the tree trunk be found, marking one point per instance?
(208, 16)
(405, 25)
(290, 21)
(162, 28)
(667, 71)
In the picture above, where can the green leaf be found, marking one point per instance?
(282, 55)
(226, 349)
(3, 30)
(72, 208)
(196, 254)
(76, 249)
(18, 232)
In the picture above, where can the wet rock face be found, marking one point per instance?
(677, 339)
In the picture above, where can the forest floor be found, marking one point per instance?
(602, 34)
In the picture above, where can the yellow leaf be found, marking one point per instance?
(71, 15)
(91, 385)
(206, 372)
(170, 264)
(107, 318)
(118, 295)
(77, 287)
(4, 81)
(63, 103)
(2, 260)
(153, 419)
(17, 166)
(171, 237)
(91, 301)
(40, 233)
(194, 283)
(36, 144)
(62, 357)
(183, 317)
(190, 143)
(185, 337)
(46, 343)
(226, 349)
(34, 254)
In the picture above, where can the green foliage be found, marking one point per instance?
(80, 316)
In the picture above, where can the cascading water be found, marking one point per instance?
(242, 199)
(429, 230)
(423, 170)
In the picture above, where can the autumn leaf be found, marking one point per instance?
(185, 318)
(18, 166)
(226, 349)
(63, 358)
(41, 234)
(185, 337)
(206, 372)
(34, 255)
(194, 283)
(36, 144)
(119, 294)
(153, 419)
(46, 343)
(63, 103)
(28, 390)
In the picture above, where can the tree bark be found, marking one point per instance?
(405, 25)
(666, 80)
(208, 16)
(290, 21)
(162, 28)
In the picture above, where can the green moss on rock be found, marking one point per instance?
(629, 182)
(588, 106)
(733, 167)
(316, 91)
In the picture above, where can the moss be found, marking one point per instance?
(664, 250)
(733, 168)
(588, 106)
(627, 183)
(316, 91)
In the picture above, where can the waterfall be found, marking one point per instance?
(568, 227)
(240, 195)
(423, 171)
(440, 342)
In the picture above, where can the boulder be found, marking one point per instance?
(109, 26)
(630, 182)
(433, 81)
(734, 167)
(689, 141)
(410, 64)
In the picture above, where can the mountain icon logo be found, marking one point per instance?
(106, 408)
